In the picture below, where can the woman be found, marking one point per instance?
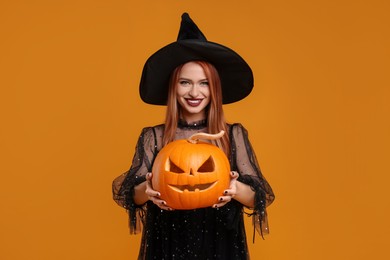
(191, 86)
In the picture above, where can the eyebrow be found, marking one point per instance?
(182, 78)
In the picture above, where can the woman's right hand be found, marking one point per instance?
(154, 195)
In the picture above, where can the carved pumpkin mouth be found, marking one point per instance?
(195, 188)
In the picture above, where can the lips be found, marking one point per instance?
(193, 102)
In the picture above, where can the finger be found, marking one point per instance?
(221, 204)
(157, 201)
(225, 199)
(233, 185)
(152, 193)
(161, 204)
(149, 189)
(233, 180)
(230, 192)
(149, 180)
(166, 208)
(222, 201)
(234, 174)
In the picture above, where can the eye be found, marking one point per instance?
(184, 82)
(207, 166)
(204, 83)
(174, 168)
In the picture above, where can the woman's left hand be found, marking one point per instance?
(228, 194)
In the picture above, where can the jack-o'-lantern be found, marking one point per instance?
(190, 173)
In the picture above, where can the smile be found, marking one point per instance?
(194, 102)
(189, 188)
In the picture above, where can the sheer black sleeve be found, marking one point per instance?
(243, 160)
(123, 185)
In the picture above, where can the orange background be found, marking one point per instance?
(318, 119)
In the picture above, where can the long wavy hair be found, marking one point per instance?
(215, 116)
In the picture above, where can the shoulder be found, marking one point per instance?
(151, 129)
(152, 135)
(238, 133)
(237, 128)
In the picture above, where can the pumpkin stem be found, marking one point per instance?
(195, 137)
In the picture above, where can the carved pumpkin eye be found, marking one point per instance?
(207, 166)
(174, 168)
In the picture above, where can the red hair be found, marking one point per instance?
(215, 116)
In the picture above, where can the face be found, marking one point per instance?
(193, 92)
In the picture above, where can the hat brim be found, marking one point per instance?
(236, 75)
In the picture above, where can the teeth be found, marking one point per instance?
(191, 101)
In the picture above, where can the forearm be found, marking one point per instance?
(245, 195)
(140, 196)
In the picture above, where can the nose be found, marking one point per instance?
(194, 92)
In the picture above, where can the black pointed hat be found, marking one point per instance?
(236, 75)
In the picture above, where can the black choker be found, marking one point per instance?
(196, 124)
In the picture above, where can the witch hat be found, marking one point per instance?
(235, 74)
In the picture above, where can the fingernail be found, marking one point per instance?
(215, 206)
(226, 192)
(220, 199)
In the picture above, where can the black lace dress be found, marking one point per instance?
(206, 233)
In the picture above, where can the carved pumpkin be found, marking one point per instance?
(190, 173)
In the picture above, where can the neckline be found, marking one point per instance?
(194, 125)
